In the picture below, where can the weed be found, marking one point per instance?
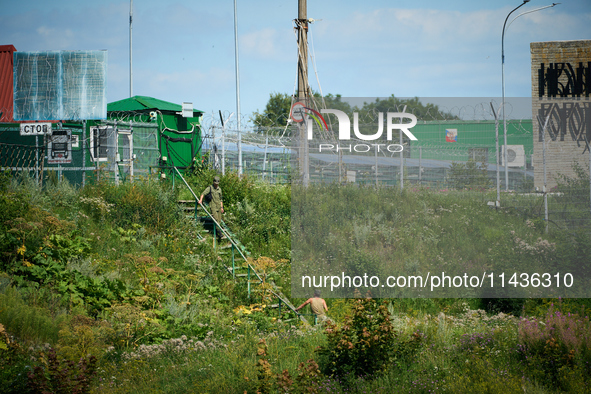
(61, 376)
(555, 344)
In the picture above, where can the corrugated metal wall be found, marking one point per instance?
(6, 82)
(470, 135)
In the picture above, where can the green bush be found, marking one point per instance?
(469, 175)
(363, 345)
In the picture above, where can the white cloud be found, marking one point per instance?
(266, 44)
(185, 51)
(198, 86)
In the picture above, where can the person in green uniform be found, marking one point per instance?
(317, 305)
(216, 204)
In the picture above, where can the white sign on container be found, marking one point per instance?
(59, 147)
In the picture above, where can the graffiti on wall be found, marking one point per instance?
(564, 80)
(567, 119)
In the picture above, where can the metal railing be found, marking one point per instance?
(250, 269)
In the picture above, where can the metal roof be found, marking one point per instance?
(145, 103)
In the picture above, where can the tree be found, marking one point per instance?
(275, 114)
(277, 111)
(414, 106)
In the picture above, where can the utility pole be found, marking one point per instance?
(302, 27)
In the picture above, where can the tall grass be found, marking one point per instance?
(30, 324)
(176, 322)
(361, 230)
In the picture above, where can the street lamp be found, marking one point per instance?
(503, 80)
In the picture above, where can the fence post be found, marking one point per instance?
(402, 156)
(265, 157)
(233, 264)
(248, 281)
(83, 153)
(420, 167)
(376, 167)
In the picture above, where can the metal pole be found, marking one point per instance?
(524, 168)
(401, 161)
(224, 141)
(402, 157)
(341, 167)
(213, 148)
(248, 281)
(97, 149)
(83, 152)
(497, 151)
(420, 167)
(130, 48)
(116, 164)
(37, 158)
(233, 264)
(265, 157)
(132, 156)
(223, 151)
(503, 79)
(376, 167)
(237, 89)
(503, 103)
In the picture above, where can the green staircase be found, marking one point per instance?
(234, 254)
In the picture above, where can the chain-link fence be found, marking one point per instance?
(429, 163)
(449, 154)
(113, 150)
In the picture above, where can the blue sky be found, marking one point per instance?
(184, 51)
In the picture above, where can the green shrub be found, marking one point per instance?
(469, 175)
(363, 345)
(82, 336)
